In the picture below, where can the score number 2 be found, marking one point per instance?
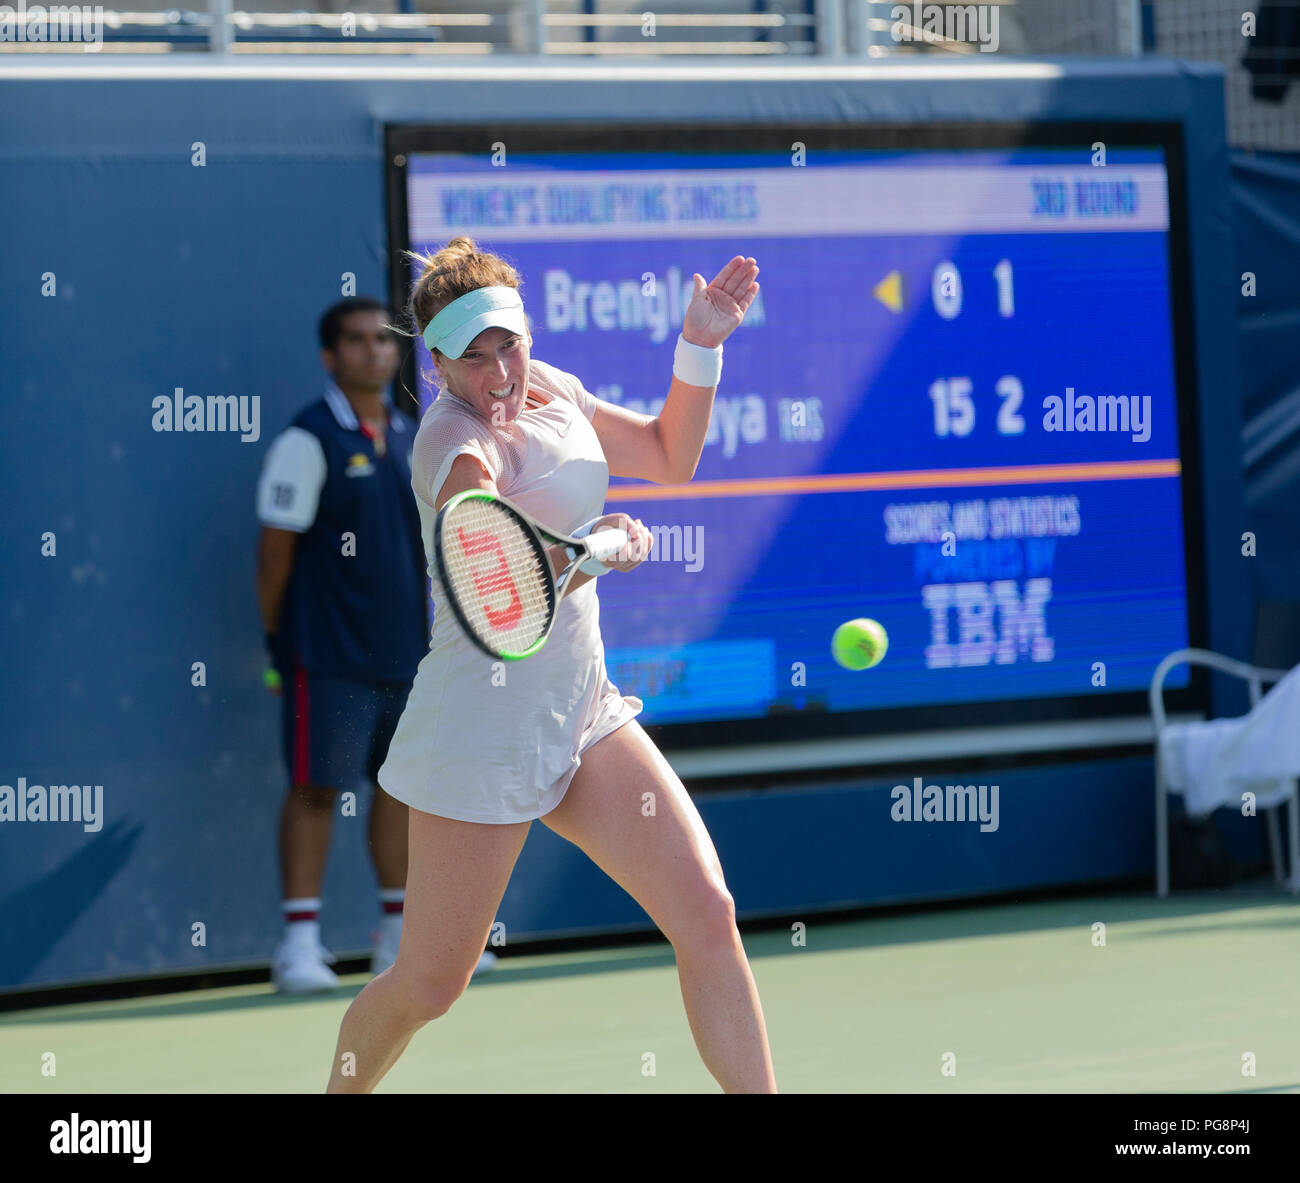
(954, 409)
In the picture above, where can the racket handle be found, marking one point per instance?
(605, 544)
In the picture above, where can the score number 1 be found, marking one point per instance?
(954, 409)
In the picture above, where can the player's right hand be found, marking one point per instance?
(640, 541)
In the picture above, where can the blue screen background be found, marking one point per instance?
(824, 379)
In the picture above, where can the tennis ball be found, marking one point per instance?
(271, 679)
(859, 644)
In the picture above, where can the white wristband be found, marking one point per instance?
(695, 365)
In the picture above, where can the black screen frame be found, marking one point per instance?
(404, 140)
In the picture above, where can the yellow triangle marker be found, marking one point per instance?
(889, 291)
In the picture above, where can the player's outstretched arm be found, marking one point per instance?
(666, 449)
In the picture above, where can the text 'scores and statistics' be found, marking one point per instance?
(954, 401)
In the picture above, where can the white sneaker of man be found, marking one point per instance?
(383, 951)
(298, 966)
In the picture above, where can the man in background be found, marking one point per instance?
(344, 600)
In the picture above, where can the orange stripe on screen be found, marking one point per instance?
(938, 478)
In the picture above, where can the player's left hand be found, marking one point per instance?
(716, 310)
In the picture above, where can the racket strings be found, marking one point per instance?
(496, 575)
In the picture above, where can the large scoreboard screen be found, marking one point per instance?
(954, 408)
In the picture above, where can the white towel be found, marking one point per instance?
(1213, 763)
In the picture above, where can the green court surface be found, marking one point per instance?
(1181, 991)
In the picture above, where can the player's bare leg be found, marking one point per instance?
(667, 863)
(457, 876)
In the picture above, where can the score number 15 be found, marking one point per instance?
(954, 409)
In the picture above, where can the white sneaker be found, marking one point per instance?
(299, 967)
(487, 961)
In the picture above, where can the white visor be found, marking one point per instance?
(463, 319)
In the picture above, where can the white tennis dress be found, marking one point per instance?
(498, 742)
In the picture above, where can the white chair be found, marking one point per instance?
(1255, 678)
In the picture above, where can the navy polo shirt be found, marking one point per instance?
(357, 601)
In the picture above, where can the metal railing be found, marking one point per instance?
(608, 28)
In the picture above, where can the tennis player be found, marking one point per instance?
(481, 750)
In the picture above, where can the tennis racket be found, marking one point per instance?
(492, 563)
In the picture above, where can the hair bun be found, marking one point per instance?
(447, 274)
